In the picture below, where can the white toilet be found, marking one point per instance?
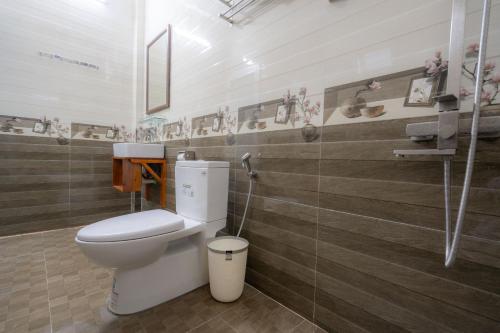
(158, 255)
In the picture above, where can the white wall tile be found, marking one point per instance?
(288, 44)
(86, 30)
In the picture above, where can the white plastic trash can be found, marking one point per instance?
(227, 260)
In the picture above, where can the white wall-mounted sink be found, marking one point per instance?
(138, 150)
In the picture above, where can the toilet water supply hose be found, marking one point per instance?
(246, 206)
(452, 246)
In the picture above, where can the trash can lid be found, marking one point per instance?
(227, 244)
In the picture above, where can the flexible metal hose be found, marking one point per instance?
(452, 246)
(246, 206)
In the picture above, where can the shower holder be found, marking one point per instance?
(489, 128)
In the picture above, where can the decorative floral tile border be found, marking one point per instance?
(38, 127)
(224, 122)
(295, 110)
(61, 131)
(96, 132)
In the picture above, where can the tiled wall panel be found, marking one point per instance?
(381, 239)
(44, 185)
(353, 238)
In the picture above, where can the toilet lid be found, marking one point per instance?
(132, 226)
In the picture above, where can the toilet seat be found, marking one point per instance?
(132, 226)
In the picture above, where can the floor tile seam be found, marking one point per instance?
(230, 326)
(206, 321)
(293, 329)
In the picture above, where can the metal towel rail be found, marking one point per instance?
(234, 9)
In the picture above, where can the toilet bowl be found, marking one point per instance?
(131, 240)
(158, 255)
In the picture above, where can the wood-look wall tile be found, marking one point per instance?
(33, 148)
(349, 302)
(264, 241)
(426, 307)
(281, 293)
(472, 248)
(92, 143)
(352, 313)
(290, 239)
(41, 180)
(207, 142)
(285, 165)
(431, 172)
(465, 272)
(411, 193)
(38, 213)
(82, 151)
(332, 322)
(35, 155)
(281, 193)
(31, 195)
(6, 138)
(12, 167)
(295, 277)
(470, 299)
(377, 150)
(281, 179)
(55, 197)
(220, 153)
(376, 130)
(280, 207)
(286, 151)
(477, 225)
(382, 150)
(280, 221)
(273, 137)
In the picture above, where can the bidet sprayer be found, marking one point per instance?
(245, 162)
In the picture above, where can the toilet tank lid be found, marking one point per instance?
(203, 164)
(132, 226)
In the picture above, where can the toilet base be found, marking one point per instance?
(182, 268)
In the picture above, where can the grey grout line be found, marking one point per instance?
(203, 323)
(303, 321)
(317, 229)
(48, 296)
(228, 324)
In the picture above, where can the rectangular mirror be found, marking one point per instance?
(158, 73)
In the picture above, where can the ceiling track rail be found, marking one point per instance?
(234, 8)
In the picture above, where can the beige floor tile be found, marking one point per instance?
(308, 327)
(13, 246)
(48, 285)
(261, 314)
(216, 325)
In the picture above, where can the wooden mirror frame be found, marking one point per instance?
(167, 31)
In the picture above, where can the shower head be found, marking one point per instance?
(245, 157)
(245, 162)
